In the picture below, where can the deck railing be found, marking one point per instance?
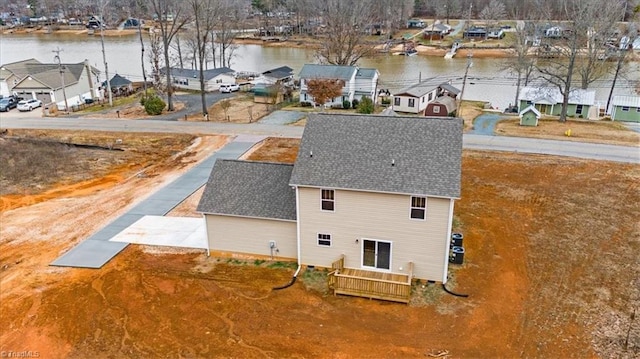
(370, 284)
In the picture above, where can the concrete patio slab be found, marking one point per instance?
(180, 232)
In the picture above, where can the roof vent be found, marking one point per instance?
(393, 163)
(311, 154)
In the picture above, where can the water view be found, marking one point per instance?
(487, 80)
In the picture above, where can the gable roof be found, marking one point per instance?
(551, 96)
(190, 73)
(394, 154)
(118, 81)
(417, 90)
(49, 75)
(249, 189)
(367, 73)
(621, 100)
(530, 108)
(280, 69)
(313, 71)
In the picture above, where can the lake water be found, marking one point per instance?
(486, 80)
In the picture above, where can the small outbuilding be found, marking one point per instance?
(529, 116)
(443, 106)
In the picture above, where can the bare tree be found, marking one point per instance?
(522, 63)
(563, 51)
(343, 42)
(171, 18)
(204, 14)
(492, 13)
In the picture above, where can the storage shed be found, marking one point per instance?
(529, 116)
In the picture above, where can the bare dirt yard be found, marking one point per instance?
(551, 267)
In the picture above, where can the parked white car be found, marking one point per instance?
(28, 105)
(228, 88)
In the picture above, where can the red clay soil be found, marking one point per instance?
(550, 269)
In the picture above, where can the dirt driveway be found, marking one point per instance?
(550, 268)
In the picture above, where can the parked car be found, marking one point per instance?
(228, 88)
(8, 103)
(28, 105)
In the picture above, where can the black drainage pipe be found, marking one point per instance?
(293, 280)
(452, 293)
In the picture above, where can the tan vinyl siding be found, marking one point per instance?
(377, 216)
(251, 235)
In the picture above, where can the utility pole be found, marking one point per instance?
(104, 56)
(464, 82)
(56, 58)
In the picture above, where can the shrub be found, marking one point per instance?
(305, 104)
(355, 103)
(154, 105)
(346, 104)
(366, 105)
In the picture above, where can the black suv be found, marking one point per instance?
(7, 103)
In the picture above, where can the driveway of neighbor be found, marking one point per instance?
(282, 117)
(485, 124)
(97, 250)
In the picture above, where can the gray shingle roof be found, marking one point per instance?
(417, 90)
(49, 74)
(249, 189)
(411, 155)
(313, 71)
(366, 73)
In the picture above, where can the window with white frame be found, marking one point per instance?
(436, 109)
(430, 95)
(412, 102)
(396, 101)
(625, 108)
(324, 239)
(422, 98)
(578, 109)
(327, 199)
(418, 207)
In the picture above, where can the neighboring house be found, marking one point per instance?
(548, 101)
(189, 79)
(12, 73)
(119, 85)
(625, 108)
(356, 195)
(281, 75)
(358, 82)
(415, 23)
(46, 83)
(496, 34)
(529, 116)
(436, 31)
(416, 98)
(554, 32)
(476, 33)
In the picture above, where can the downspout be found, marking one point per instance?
(295, 275)
(448, 243)
(206, 228)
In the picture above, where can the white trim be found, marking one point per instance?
(376, 269)
(331, 200)
(372, 191)
(325, 234)
(298, 224)
(250, 217)
(448, 244)
(206, 228)
(411, 207)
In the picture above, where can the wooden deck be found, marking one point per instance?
(369, 284)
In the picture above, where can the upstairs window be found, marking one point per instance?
(418, 207)
(328, 199)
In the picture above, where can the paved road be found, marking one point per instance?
(626, 154)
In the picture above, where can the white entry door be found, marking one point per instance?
(376, 254)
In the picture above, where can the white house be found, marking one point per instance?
(189, 79)
(416, 98)
(358, 82)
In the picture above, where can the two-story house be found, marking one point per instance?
(367, 194)
(358, 82)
